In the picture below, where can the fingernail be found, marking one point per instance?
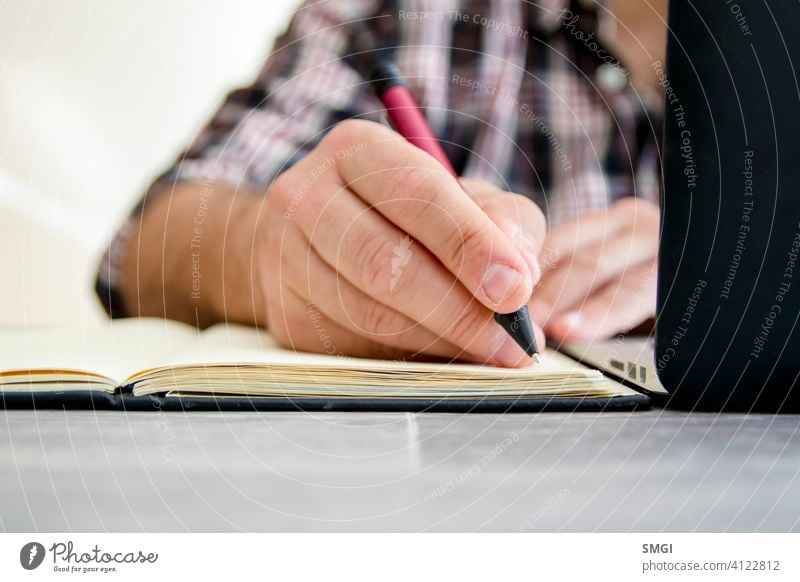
(500, 282)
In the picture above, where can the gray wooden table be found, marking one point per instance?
(653, 471)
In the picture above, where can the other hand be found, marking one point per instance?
(599, 273)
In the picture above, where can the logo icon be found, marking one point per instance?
(31, 555)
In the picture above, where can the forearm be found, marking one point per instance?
(190, 257)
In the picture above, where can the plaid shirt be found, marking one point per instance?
(522, 94)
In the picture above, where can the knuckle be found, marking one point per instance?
(507, 223)
(281, 192)
(535, 214)
(351, 131)
(482, 191)
(415, 191)
(627, 204)
(377, 319)
(413, 183)
(484, 185)
(374, 262)
(343, 132)
(463, 246)
(527, 213)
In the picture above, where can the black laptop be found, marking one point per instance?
(727, 334)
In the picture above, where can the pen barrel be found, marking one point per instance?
(407, 119)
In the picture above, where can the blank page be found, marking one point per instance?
(112, 350)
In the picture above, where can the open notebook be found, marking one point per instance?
(133, 363)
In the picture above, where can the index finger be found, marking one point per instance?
(413, 191)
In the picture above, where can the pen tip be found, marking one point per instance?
(537, 359)
(518, 326)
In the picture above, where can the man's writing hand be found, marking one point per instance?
(368, 247)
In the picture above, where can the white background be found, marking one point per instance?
(96, 98)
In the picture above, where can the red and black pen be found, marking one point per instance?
(407, 119)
